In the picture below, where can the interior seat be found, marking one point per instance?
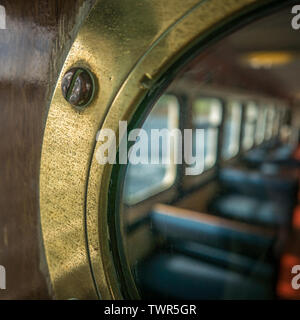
(177, 224)
(182, 277)
(257, 268)
(279, 154)
(279, 186)
(251, 210)
(207, 257)
(256, 197)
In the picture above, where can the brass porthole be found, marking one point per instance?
(129, 47)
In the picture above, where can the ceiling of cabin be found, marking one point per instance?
(272, 34)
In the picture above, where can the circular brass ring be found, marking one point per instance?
(128, 47)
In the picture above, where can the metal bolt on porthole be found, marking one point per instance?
(78, 87)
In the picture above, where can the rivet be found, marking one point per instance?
(78, 87)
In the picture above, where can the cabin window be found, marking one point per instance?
(270, 123)
(232, 127)
(207, 115)
(283, 116)
(261, 125)
(249, 126)
(276, 122)
(224, 225)
(145, 179)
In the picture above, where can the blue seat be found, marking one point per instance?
(179, 224)
(251, 210)
(253, 183)
(206, 257)
(269, 153)
(255, 157)
(257, 268)
(181, 277)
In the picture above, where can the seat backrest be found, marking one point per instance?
(278, 187)
(181, 224)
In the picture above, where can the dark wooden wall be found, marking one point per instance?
(32, 50)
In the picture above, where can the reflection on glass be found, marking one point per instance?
(145, 179)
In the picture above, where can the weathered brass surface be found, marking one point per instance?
(121, 42)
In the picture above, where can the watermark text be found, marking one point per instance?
(2, 17)
(155, 146)
(2, 278)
